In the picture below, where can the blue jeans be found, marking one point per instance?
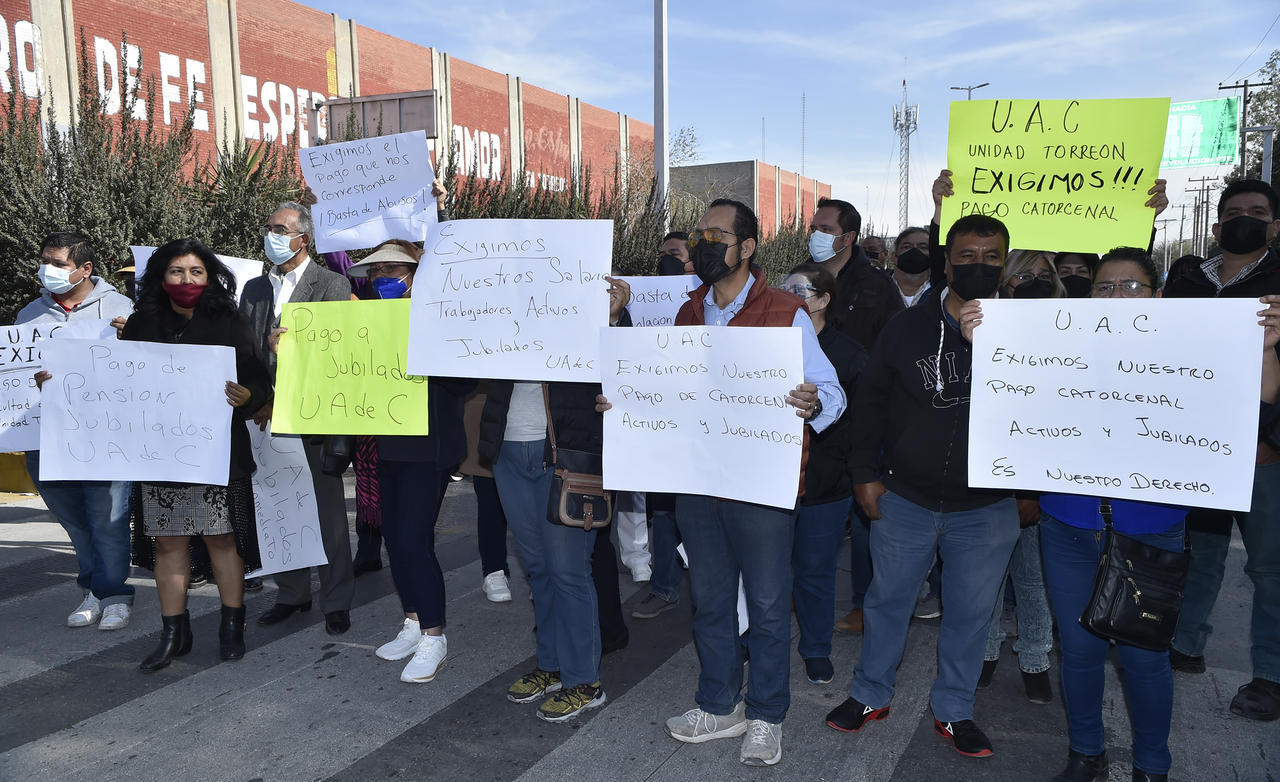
(557, 560)
(1035, 624)
(726, 539)
(819, 530)
(1071, 559)
(1210, 539)
(667, 570)
(860, 569)
(95, 515)
(975, 545)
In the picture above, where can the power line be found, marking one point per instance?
(1255, 49)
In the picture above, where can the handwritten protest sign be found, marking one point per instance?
(135, 411)
(370, 190)
(513, 299)
(702, 410)
(1060, 174)
(1133, 399)
(284, 504)
(19, 361)
(656, 300)
(243, 269)
(341, 370)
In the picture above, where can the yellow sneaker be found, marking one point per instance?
(534, 685)
(571, 702)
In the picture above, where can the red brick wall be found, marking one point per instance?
(766, 199)
(787, 197)
(389, 64)
(19, 69)
(481, 124)
(546, 136)
(285, 55)
(808, 204)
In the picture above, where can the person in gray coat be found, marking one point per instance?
(296, 277)
(95, 514)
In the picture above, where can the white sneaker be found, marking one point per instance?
(641, 574)
(497, 588)
(696, 726)
(114, 616)
(88, 612)
(404, 644)
(427, 660)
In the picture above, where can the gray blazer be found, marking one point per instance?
(257, 303)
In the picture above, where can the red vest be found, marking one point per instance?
(764, 306)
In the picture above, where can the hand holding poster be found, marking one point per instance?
(341, 370)
(19, 362)
(1121, 398)
(284, 504)
(1063, 174)
(126, 411)
(656, 300)
(370, 190)
(511, 299)
(702, 410)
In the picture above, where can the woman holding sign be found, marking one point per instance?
(1072, 543)
(187, 297)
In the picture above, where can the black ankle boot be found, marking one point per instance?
(1083, 768)
(175, 641)
(231, 633)
(1142, 776)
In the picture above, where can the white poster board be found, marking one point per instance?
(126, 411)
(656, 300)
(19, 361)
(243, 269)
(702, 410)
(1139, 399)
(284, 504)
(511, 299)
(370, 190)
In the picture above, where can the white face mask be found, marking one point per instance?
(278, 248)
(57, 280)
(822, 246)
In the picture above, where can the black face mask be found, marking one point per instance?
(708, 262)
(975, 280)
(1034, 288)
(872, 254)
(669, 265)
(1077, 287)
(913, 261)
(1243, 234)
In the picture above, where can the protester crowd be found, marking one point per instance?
(886, 332)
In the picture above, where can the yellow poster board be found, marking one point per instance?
(1064, 175)
(341, 370)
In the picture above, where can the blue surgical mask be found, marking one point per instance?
(56, 280)
(822, 246)
(277, 248)
(390, 287)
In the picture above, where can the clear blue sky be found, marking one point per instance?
(734, 61)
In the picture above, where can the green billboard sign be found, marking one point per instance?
(1202, 133)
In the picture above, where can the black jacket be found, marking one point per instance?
(905, 431)
(223, 328)
(866, 298)
(573, 411)
(826, 476)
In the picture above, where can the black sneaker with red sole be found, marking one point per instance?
(851, 716)
(966, 737)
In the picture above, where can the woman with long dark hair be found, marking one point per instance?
(187, 296)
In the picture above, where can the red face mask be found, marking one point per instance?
(183, 295)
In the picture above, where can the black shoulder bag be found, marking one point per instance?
(1137, 593)
(578, 497)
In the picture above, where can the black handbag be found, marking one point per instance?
(337, 453)
(578, 497)
(1137, 592)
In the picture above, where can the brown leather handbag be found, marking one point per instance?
(578, 497)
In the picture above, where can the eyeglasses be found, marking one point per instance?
(278, 230)
(1022, 277)
(803, 291)
(712, 235)
(1126, 288)
(387, 268)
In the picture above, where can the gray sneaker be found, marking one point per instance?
(652, 606)
(928, 607)
(696, 726)
(762, 746)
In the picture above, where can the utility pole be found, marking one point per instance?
(802, 118)
(1243, 86)
(1268, 139)
(1181, 221)
(661, 130)
(904, 123)
(968, 91)
(1200, 241)
(1164, 227)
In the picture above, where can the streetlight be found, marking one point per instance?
(969, 90)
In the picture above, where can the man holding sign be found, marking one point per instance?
(294, 277)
